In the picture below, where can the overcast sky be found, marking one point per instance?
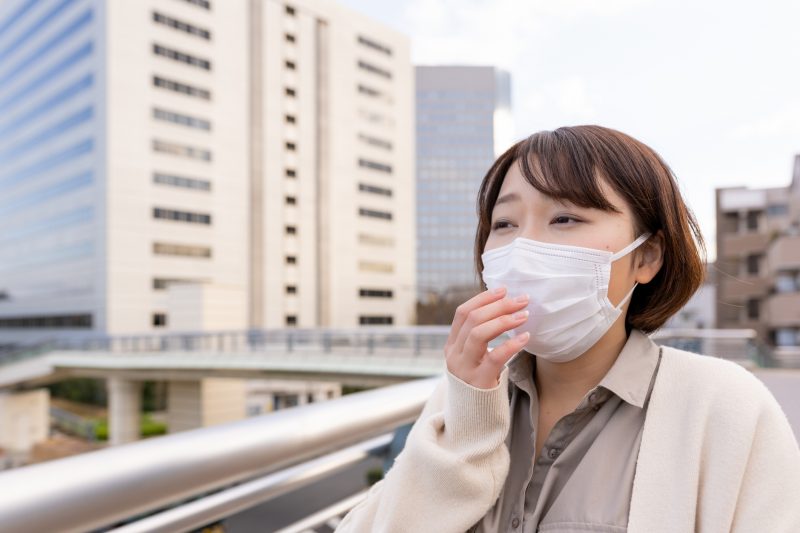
(712, 85)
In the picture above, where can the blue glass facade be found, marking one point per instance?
(48, 159)
(455, 147)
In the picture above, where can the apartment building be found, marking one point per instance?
(200, 164)
(758, 260)
(463, 124)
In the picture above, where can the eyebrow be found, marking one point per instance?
(509, 197)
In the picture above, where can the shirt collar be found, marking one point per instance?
(629, 377)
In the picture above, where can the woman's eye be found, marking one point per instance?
(500, 224)
(564, 219)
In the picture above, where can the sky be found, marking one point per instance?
(713, 86)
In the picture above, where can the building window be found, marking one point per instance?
(752, 264)
(181, 119)
(373, 320)
(190, 152)
(181, 216)
(291, 320)
(160, 284)
(290, 11)
(291, 146)
(181, 26)
(290, 119)
(159, 320)
(375, 240)
(375, 293)
(730, 222)
(82, 321)
(752, 309)
(291, 200)
(291, 173)
(291, 289)
(363, 65)
(183, 88)
(291, 230)
(290, 92)
(181, 57)
(289, 37)
(291, 260)
(205, 4)
(372, 213)
(289, 64)
(381, 167)
(372, 189)
(375, 266)
(374, 141)
(752, 220)
(368, 91)
(181, 250)
(179, 181)
(370, 43)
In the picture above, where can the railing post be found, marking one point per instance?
(370, 343)
(326, 342)
(289, 342)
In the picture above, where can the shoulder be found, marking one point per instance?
(719, 384)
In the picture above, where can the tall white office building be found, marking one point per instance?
(202, 164)
(463, 124)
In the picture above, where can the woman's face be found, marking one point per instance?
(523, 211)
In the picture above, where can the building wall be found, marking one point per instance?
(758, 284)
(52, 180)
(184, 153)
(463, 123)
(318, 248)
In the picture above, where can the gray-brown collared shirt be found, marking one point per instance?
(583, 478)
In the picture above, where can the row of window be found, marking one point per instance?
(369, 67)
(373, 213)
(181, 250)
(205, 4)
(181, 216)
(181, 119)
(183, 88)
(182, 57)
(47, 322)
(373, 165)
(182, 150)
(182, 26)
(160, 284)
(375, 320)
(373, 189)
(369, 43)
(375, 240)
(374, 141)
(183, 182)
(375, 293)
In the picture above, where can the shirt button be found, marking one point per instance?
(553, 453)
(515, 523)
(592, 397)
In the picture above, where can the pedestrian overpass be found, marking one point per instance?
(184, 481)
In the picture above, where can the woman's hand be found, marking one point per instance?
(477, 321)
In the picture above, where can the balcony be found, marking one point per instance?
(783, 310)
(784, 254)
(740, 289)
(742, 244)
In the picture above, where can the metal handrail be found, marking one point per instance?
(222, 504)
(95, 489)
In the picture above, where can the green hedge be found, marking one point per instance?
(147, 427)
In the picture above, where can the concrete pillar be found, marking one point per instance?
(124, 406)
(24, 419)
(210, 401)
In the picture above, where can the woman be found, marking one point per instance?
(579, 422)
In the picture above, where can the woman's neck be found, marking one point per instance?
(565, 384)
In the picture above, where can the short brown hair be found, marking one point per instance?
(566, 164)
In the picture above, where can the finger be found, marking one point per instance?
(475, 345)
(501, 354)
(465, 308)
(488, 312)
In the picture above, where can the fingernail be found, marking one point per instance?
(520, 315)
(521, 298)
(522, 337)
(498, 290)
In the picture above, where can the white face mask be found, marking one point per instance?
(568, 287)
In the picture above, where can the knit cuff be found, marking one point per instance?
(476, 419)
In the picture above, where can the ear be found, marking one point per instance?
(650, 259)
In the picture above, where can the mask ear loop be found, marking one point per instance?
(631, 247)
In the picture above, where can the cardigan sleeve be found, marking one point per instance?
(451, 470)
(769, 495)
